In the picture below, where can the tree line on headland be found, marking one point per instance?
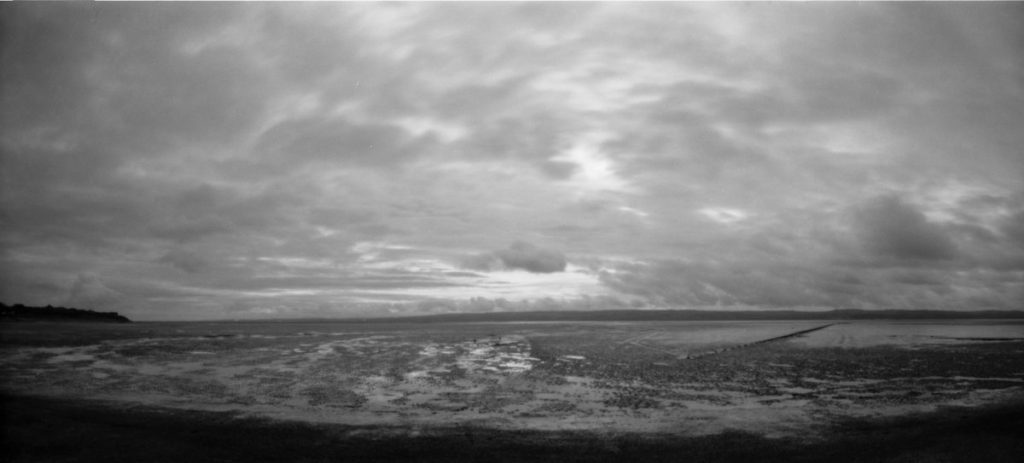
(18, 312)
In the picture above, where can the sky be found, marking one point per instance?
(207, 161)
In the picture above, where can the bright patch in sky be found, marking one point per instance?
(595, 171)
(723, 215)
(420, 126)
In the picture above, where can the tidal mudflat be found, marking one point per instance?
(770, 380)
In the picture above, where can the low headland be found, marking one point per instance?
(18, 312)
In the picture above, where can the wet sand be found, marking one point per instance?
(64, 430)
(552, 386)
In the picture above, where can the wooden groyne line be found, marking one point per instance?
(762, 341)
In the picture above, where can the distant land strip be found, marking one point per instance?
(681, 315)
(20, 312)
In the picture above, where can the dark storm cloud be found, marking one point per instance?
(519, 256)
(890, 227)
(522, 255)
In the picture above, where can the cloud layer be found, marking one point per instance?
(181, 161)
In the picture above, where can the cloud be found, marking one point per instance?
(335, 140)
(519, 255)
(1013, 227)
(729, 153)
(892, 228)
(89, 291)
(676, 283)
(185, 260)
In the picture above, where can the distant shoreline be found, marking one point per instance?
(22, 313)
(661, 315)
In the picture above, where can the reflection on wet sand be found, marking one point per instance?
(639, 377)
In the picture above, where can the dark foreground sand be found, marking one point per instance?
(62, 430)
